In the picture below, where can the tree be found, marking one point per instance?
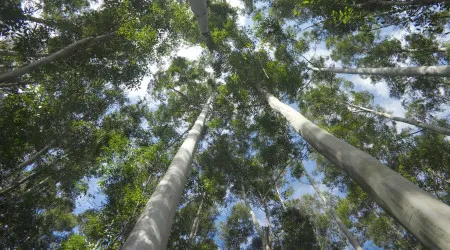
(355, 162)
(405, 120)
(156, 219)
(413, 71)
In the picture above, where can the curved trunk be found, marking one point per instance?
(443, 71)
(152, 228)
(335, 216)
(46, 60)
(423, 215)
(435, 128)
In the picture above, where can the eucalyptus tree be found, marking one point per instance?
(433, 127)
(335, 216)
(402, 71)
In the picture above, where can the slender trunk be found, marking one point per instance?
(407, 3)
(194, 227)
(393, 71)
(280, 197)
(423, 215)
(33, 158)
(55, 56)
(19, 182)
(268, 232)
(152, 228)
(200, 10)
(435, 128)
(254, 220)
(335, 216)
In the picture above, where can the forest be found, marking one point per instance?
(225, 124)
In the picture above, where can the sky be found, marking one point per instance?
(94, 198)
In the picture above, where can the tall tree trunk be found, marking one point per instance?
(200, 9)
(194, 227)
(268, 232)
(152, 228)
(435, 128)
(255, 222)
(407, 3)
(393, 71)
(34, 157)
(19, 182)
(280, 197)
(335, 216)
(423, 215)
(55, 56)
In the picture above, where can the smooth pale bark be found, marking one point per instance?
(200, 9)
(268, 232)
(435, 128)
(46, 60)
(152, 228)
(255, 222)
(194, 227)
(406, 3)
(280, 197)
(393, 71)
(335, 216)
(423, 215)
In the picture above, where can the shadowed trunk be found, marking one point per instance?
(46, 60)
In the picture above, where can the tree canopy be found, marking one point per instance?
(220, 149)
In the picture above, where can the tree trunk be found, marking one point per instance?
(435, 128)
(255, 222)
(152, 228)
(55, 56)
(280, 197)
(335, 216)
(19, 182)
(423, 215)
(407, 3)
(33, 158)
(200, 9)
(268, 232)
(194, 227)
(443, 71)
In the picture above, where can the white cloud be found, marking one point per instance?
(191, 53)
